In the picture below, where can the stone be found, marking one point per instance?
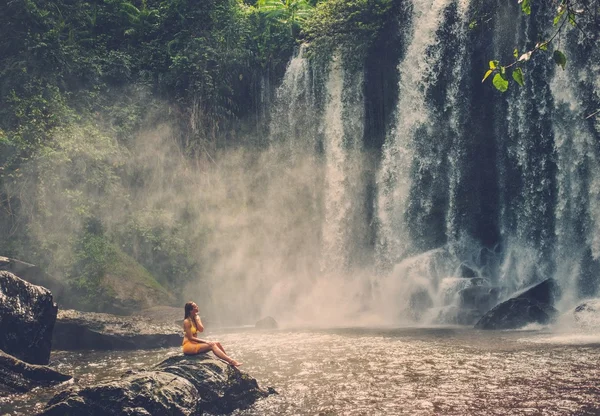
(146, 393)
(76, 330)
(516, 313)
(27, 317)
(180, 385)
(267, 323)
(221, 387)
(17, 376)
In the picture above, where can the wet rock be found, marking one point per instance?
(516, 313)
(546, 292)
(418, 304)
(587, 314)
(27, 316)
(76, 330)
(267, 323)
(221, 387)
(17, 376)
(147, 393)
(180, 385)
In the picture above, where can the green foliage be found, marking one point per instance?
(348, 26)
(580, 14)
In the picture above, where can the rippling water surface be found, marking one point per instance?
(421, 371)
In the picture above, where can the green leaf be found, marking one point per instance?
(487, 74)
(518, 76)
(572, 19)
(525, 6)
(558, 16)
(502, 70)
(494, 64)
(560, 59)
(516, 53)
(500, 83)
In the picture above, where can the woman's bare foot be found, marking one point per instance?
(235, 363)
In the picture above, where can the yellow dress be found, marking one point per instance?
(190, 347)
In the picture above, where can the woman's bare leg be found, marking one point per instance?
(221, 347)
(219, 353)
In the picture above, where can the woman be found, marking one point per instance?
(192, 344)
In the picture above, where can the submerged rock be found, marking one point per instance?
(27, 316)
(180, 385)
(587, 314)
(267, 323)
(480, 298)
(516, 313)
(17, 376)
(76, 330)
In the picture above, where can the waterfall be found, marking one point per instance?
(476, 194)
(415, 150)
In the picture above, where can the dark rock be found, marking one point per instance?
(587, 315)
(27, 316)
(267, 323)
(76, 330)
(17, 376)
(221, 387)
(546, 291)
(466, 271)
(180, 385)
(480, 298)
(516, 313)
(147, 393)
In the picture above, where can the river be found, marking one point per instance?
(384, 371)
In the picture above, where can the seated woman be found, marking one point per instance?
(192, 344)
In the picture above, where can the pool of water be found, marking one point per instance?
(383, 371)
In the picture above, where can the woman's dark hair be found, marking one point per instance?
(188, 309)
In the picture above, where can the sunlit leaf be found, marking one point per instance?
(525, 6)
(487, 74)
(518, 76)
(494, 64)
(516, 53)
(500, 83)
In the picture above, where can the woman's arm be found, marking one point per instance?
(187, 328)
(199, 325)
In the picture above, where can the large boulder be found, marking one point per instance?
(17, 376)
(76, 330)
(181, 385)
(27, 316)
(516, 313)
(530, 305)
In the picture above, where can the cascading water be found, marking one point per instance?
(476, 194)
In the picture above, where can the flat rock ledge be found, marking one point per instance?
(76, 330)
(17, 376)
(180, 385)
